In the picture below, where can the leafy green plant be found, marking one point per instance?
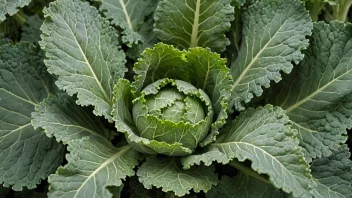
(169, 98)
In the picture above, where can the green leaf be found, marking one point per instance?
(264, 136)
(149, 39)
(163, 97)
(167, 173)
(200, 23)
(83, 50)
(93, 165)
(207, 69)
(59, 116)
(124, 123)
(317, 96)
(333, 174)
(274, 33)
(164, 61)
(209, 73)
(243, 186)
(11, 7)
(31, 29)
(208, 155)
(26, 155)
(130, 16)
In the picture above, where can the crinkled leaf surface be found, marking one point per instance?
(167, 173)
(59, 116)
(124, 123)
(31, 29)
(243, 186)
(274, 33)
(83, 50)
(164, 61)
(263, 136)
(333, 175)
(93, 165)
(130, 16)
(26, 155)
(195, 23)
(317, 96)
(11, 7)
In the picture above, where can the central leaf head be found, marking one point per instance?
(170, 104)
(173, 111)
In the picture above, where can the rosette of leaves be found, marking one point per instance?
(169, 125)
(177, 101)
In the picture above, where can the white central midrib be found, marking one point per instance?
(289, 109)
(111, 159)
(194, 36)
(19, 128)
(255, 58)
(107, 98)
(126, 14)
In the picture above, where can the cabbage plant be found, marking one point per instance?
(170, 98)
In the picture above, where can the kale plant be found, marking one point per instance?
(170, 98)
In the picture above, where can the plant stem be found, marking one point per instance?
(315, 10)
(237, 28)
(238, 165)
(340, 11)
(20, 17)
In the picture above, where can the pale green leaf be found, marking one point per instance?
(162, 61)
(26, 155)
(243, 186)
(152, 120)
(274, 33)
(83, 50)
(124, 123)
(31, 29)
(333, 175)
(195, 23)
(209, 73)
(93, 165)
(11, 7)
(130, 16)
(264, 136)
(317, 96)
(60, 117)
(167, 173)
(206, 156)
(207, 69)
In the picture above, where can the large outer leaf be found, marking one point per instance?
(11, 7)
(26, 155)
(167, 173)
(317, 96)
(194, 23)
(83, 50)
(243, 186)
(263, 136)
(274, 33)
(333, 175)
(130, 16)
(93, 165)
(59, 116)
